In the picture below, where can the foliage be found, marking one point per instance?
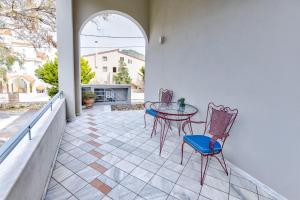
(3, 73)
(52, 91)
(7, 59)
(142, 73)
(49, 74)
(181, 101)
(88, 95)
(86, 71)
(122, 77)
(30, 20)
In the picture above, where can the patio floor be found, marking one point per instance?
(109, 155)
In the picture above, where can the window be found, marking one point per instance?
(104, 58)
(129, 61)
(104, 68)
(121, 58)
(114, 69)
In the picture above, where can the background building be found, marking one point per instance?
(106, 65)
(21, 76)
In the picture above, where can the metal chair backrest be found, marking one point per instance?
(219, 120)
(165, 96)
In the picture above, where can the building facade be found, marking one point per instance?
(106, 65)
(20, 78)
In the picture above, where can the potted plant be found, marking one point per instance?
(88, 98)
(181, 103)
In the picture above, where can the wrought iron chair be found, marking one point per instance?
(219, 120)
(165, 96)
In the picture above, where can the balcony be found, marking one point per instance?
(110, 155)
(239, 53)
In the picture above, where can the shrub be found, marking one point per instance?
(88, 95)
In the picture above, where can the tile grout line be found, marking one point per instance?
(149, 171)
(131, 131)
(148, 183)
(229, 183)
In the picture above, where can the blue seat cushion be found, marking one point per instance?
(201, 143)
(151, 112)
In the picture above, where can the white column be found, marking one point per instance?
(64, 23)
(27, 86)
(77, 72)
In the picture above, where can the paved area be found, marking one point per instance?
(26, 97)
(137, 97)
(11, 122)
(109, 155)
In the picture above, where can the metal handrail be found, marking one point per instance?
(9, 145)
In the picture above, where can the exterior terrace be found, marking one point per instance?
(243, 54)
(110, 155)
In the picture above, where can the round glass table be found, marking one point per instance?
(166, 113)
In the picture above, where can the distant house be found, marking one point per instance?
(21, 77)
(106, 64)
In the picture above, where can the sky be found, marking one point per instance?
(114, 26)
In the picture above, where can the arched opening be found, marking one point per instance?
(19, 85)
(113, 45)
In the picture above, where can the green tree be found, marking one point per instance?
(49, 74)
(86, 71)
(122, 77)
(142, 73)
(7, 59)
(30, 20)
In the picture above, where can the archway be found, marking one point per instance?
(109, 41)
(19, 85)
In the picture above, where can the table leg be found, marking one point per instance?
(154, 126)
(163, 133)
(179, 125)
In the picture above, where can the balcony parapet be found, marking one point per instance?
(26, 168)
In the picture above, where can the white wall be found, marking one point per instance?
(244, 54)
(26, 170)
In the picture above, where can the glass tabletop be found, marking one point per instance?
(173, 110)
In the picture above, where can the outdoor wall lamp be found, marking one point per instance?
(161, 40)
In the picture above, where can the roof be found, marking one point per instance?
(5, 32)
(27, 77)
(41, 55)
(113, 50)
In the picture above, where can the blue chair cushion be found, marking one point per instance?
(151, 112)
(201, 143)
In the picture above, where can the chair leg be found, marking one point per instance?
(222, 164)
(191, 128)
(145, 120)
(203, 172)
(154, 127)
(160, 123)
(182, 152)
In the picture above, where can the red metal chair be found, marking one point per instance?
(164, 96)
(219, 120)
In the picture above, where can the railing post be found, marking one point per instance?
(29, 133)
